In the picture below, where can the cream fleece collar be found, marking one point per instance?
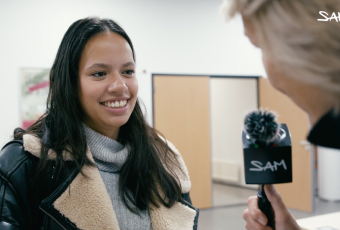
(87, 204)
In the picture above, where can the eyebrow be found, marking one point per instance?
(103, 65)
(128, 64)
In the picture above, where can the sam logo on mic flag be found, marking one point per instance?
(270, 164)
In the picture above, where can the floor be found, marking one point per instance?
(229, 203)
(230, 195)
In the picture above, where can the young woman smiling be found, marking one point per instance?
(91, 161)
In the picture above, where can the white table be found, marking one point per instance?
(329, 221)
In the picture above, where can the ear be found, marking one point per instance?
(249, 30)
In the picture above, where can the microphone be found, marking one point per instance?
(262, 127)
(267, 155)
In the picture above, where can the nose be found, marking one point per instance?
(117, 84)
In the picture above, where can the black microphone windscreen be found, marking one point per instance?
(261, 126)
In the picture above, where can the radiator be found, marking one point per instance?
(228, 171)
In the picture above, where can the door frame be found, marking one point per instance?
(256, 78)
(202, 75)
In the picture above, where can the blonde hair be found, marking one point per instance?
(306, 49)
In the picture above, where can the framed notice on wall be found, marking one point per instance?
(34, 92)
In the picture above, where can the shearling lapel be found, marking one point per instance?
(87, 204)
(94, 210)
(178, 217)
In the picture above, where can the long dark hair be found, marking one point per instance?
(150, 164)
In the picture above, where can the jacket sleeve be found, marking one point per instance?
(16, 193)
(12, 216)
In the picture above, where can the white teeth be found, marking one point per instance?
(116, 104)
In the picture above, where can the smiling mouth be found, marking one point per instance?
(114, 104)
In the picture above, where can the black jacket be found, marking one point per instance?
(48, 203)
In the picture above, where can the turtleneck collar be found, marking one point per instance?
(326, 132)
(109, 155)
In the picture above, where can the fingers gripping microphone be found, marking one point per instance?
(267, 155)
(262, 129)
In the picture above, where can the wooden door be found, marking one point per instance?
(299, 194)
(181, 114)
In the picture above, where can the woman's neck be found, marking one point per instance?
(314, 101)
(110, 132)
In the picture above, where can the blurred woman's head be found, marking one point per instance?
(301, 54)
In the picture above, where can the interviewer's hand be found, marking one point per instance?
(256, 220)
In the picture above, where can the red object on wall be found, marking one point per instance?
(39, 86)
(26, 124)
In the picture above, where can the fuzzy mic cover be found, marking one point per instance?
(261, 126)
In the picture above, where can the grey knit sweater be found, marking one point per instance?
(109, 156)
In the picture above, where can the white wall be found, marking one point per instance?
(231, 99)
(178, 36)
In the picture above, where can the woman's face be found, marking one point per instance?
(107, 83)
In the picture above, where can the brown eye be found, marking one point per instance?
(99, 74)
(129, 72)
